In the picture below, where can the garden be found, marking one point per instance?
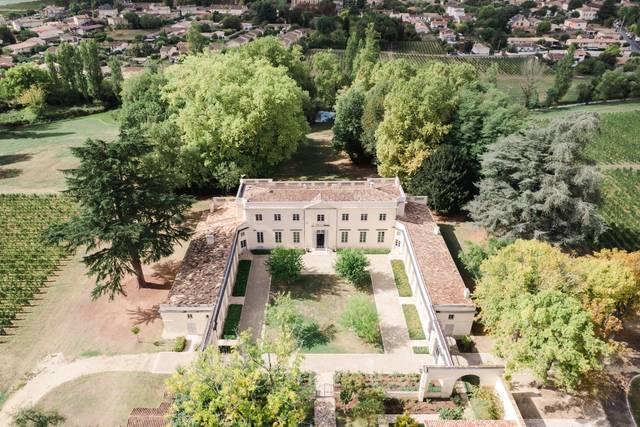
(360, 398)
(325, 313)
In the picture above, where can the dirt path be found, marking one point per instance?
(56, 371)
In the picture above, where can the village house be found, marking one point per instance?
(592, 44)
(116, 21)
(19, 24)
(437, 24)
(455, 12)
(289, 38)
(25, 46)
(106, 10)
(228, 9)
(53, 11)
(480, 49)
(447, 35)
(575, 24)
(523, 23)
(188, 9)
(79, 20)
(588, 13)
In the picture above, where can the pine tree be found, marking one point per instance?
(127, 213)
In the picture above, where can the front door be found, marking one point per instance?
(320, 240)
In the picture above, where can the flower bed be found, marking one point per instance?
(389, 382)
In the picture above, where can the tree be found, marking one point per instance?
(447, 178)
(92, 72)
(327, 77)
(232, 22)
(285, 264)
(6, 36)
(116, 76)
(36, 417)
(536, 324)
(19, 78)
(536, 185)
(352, 265)
(476, 254)
(367, 55)
(127, 214)
(532, 73)
(417, 116)
(612, 85)
(265, 11)
(196, 42)
(34, 99)
(484, 114)
(607, 10)
(350, 53)
(256, 384)
(235, 115)
(142, 104)
(563, 76)
(347, 128)
(70, 71)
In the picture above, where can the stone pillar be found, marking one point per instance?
(424, 383)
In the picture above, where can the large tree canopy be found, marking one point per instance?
(417, 116)
(127, 213)
(347, 131)
(546, 309)
(536, 185)
(244, 388)
(236, 115)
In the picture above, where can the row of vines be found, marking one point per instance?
(507, 65)
(26, 261)
(620, 208)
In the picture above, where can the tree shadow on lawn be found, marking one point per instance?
(10, 173)
(312, 287)
(8, 159)
(31, 134)
(144, 315)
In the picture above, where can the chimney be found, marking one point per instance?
(467, 293)
(436, 229)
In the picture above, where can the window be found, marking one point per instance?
(398, 243)
(320, 217)
(277, 217)
(260, 236)
(296, 217)
(278, 236)
(243, 244)
(258, 217)
(344, 237)
(296, 237)
(363, 237)
(189, 316)
(363, 217)
(383, 217)
(345, 217)
(451, 316)
(380, 236)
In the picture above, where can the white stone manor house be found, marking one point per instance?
(316, 216)
(327, 216)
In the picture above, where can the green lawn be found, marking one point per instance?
(400, 276)
(230, 328)
(240, 287)
(609, 107)
(414, 325)
(32, 157)
(105, 399)
(317, 160)
(512, 86)
(323, 298)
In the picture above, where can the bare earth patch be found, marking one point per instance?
(105, 399)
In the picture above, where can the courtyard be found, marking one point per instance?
(322, 297)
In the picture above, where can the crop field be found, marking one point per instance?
(423, 47)
(511, 66)
(27, 263)
(621, 208)
(619, 141)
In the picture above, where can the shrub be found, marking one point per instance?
(283, 315)
(285, 264)
(451, 413)
(414, 325)
(361, 317)
(485, 404)
(180, 344)
(401, 279)
(352, 266)
(230, 328)
(34, 416)
(370, 403)
(351, 384)
(405, 420)
(240, 287)
(465, 344)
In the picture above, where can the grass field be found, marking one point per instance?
(105, 399)
(32, 157)
(609, 107)
(127, 34)
(619, 141)
(323, 298)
